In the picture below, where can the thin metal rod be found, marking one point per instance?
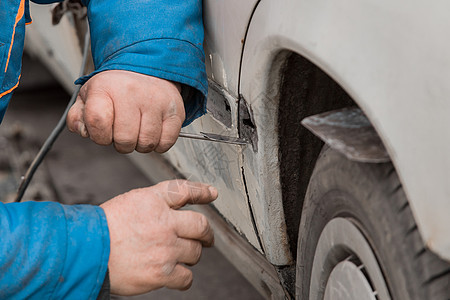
(193, 136)
(211, 137)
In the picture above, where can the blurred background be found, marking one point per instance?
(78, 171)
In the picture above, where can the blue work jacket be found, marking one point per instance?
(54, 251)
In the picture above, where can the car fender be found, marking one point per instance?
(393, 60)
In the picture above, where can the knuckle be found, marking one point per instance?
(84, 88)
(165, 270)
(197, 252)
(71, 125)
(143, 149)
(203, 225)
(171, 186)
(187, 280)
(147, 138)
(146, 144)
(95, 119)
(100, 141)
(177, 186)
(123, 148)
(131, 86)
(159, 274)
(164, 146)
(195, 193)
(123, 151)
(124, 142)
(175, 189)
(71, 115)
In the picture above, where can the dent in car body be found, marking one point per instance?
(218, 105)
(247, 128)
(219, 165)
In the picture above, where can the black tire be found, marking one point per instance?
(371, 197)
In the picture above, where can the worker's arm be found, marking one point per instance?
(54, 251)
(158, 38)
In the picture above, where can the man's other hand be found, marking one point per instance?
(151, 240)
(131, 110)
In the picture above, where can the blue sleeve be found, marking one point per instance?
(52, 251)
(160, 38)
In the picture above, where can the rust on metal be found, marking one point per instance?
(350, 132)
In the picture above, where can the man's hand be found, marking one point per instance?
(131, 110)
(151, 239)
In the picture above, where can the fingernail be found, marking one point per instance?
(82, 130)
(213, 192)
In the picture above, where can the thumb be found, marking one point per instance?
(75, 121)
(181, 192)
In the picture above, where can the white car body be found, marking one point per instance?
(392, 58)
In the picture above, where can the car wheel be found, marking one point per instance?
(358, 238)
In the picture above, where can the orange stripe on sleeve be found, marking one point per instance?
(21, 11)
(11, 89)
(19, 16)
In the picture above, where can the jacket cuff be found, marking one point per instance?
(87, 255)
(169, 59)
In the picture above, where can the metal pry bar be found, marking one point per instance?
(214, 138)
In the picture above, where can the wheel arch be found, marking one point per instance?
(386, 88)
(305, 90)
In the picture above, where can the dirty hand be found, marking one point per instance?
(131, 110)
(151, 239)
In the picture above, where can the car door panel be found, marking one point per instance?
(221, 164)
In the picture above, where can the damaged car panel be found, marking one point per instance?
(220, 165)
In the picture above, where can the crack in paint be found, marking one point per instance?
(252, 216)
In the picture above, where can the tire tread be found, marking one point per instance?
(427, 276)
